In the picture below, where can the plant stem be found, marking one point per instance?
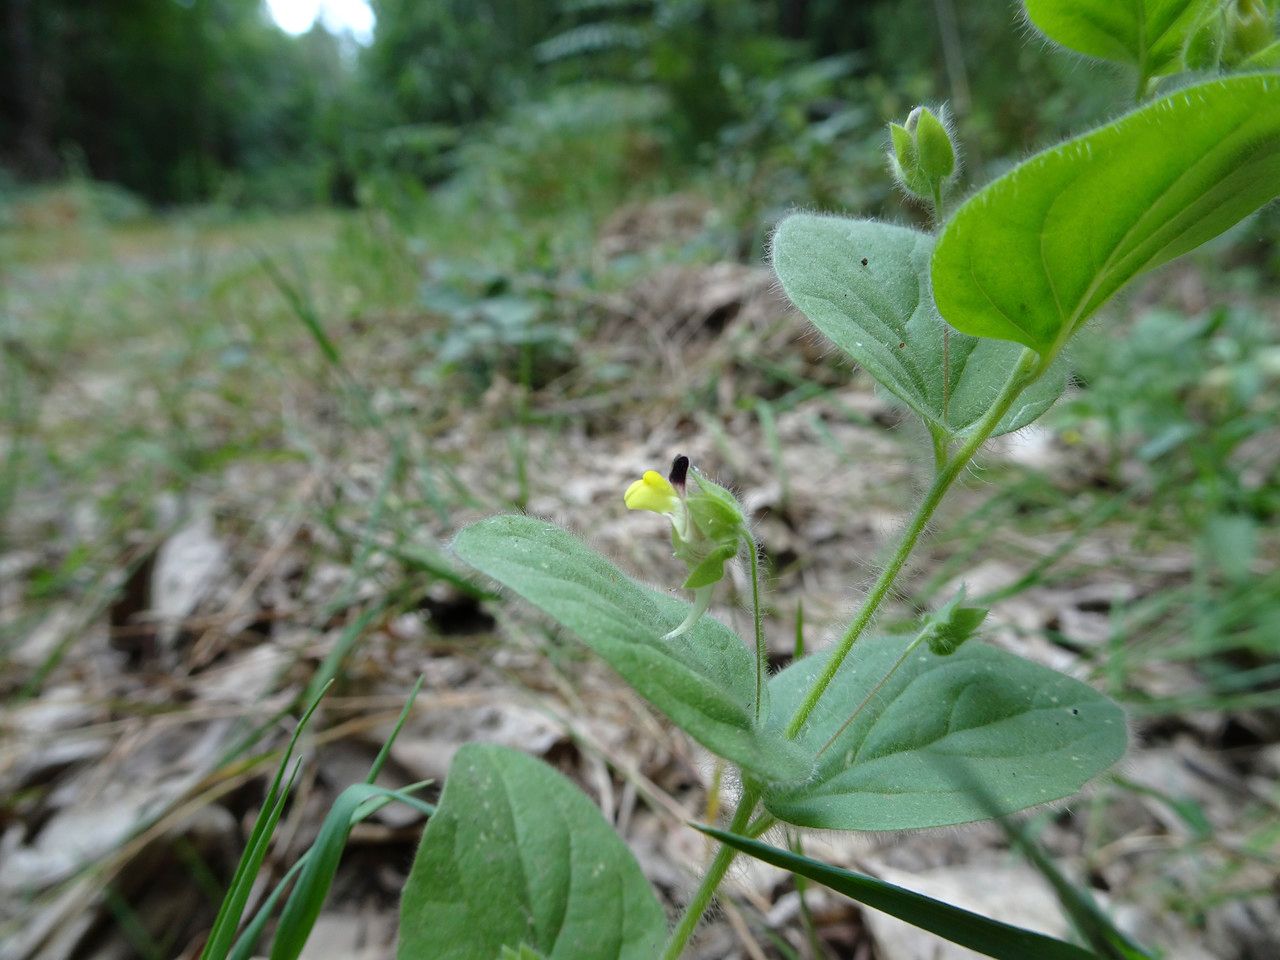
(1140, 93)
(760, 824)
(701, 899)
(874, 690)
(1140, 12)
(1028, 367)
(940, 448)
(755, 606)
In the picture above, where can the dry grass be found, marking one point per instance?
(230, 463)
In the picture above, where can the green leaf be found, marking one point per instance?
(711, 570)
(518, 858)
(1266, 58)
(1032, 255)
(704, 680)
(1147, 34)
(935, 730)
(988, 937)
(882, 314)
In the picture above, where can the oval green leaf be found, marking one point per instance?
(976, 734)
(1148, 34)
(704, 681)
(517, 861)
(865, 285)
(1032, 255)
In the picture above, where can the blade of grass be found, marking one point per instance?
(380, 760)
(316, 868)
(315, 880)
(255, 851)
(302, 308)
(417, 556)
(1090, 921)
(991, 938)
(1086, 916)
(232, 909)
(132, 926)
(245, 945)
(332, 663)
(316, 877)
(769, 427)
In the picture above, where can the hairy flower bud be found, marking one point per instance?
(923, 158)
(1249, 29)
(951, 625)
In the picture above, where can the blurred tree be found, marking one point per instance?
(25, 102)
(161, 96)
(694, 50)
(454, 61)
(184, 100)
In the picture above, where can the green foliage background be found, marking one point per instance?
(182, 101)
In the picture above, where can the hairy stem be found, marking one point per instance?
(1028, 367)
(938, 211)
(761, 653)
(941, 447)
(946, 370)
(701, 899)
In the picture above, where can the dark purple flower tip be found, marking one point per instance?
(679, 472)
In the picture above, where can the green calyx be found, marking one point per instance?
(714, 529)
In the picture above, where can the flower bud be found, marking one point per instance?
(1249, 30)
(951, 625)
(923, 158)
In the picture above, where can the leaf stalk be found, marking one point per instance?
(1027, 370)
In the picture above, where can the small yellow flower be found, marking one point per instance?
(707, 528)
(652, 492)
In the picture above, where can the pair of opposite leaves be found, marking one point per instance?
(1029, 258)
